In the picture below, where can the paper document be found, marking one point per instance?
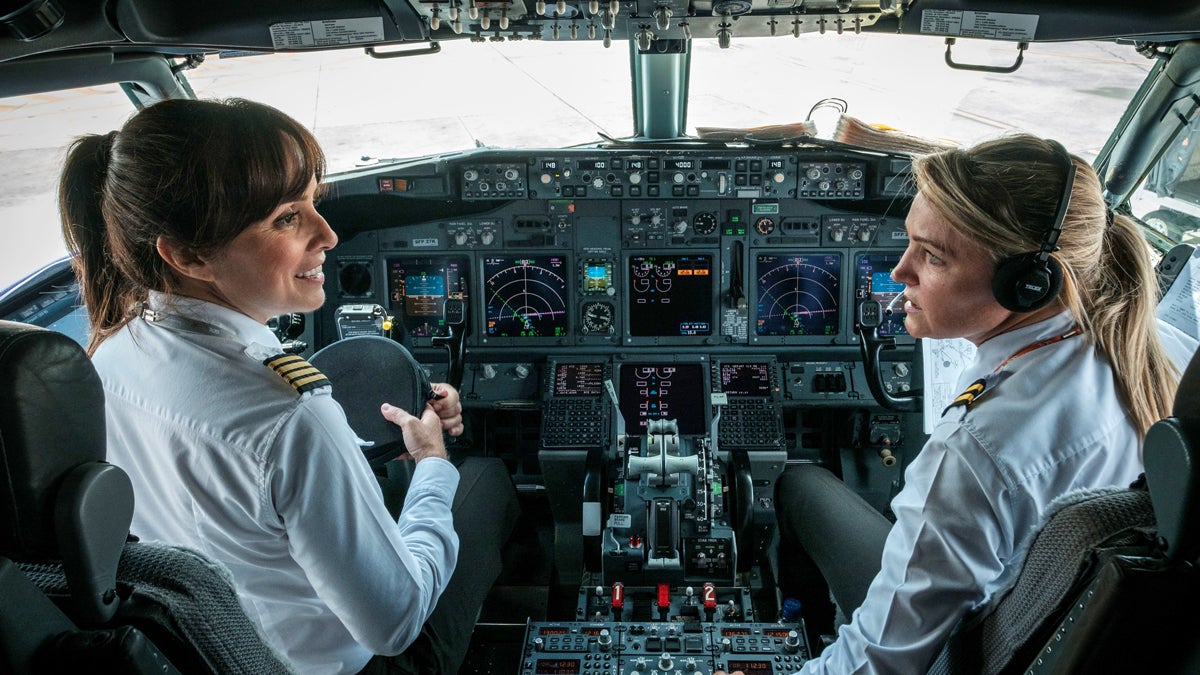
(1178, 311)
(944, 362)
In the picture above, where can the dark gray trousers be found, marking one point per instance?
(485, 509)
(826, 529)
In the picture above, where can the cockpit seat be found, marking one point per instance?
(1111, 582)
(75, 594)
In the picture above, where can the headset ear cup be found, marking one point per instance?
(1022, 283)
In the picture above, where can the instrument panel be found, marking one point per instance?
(592, 253)
(627, 249)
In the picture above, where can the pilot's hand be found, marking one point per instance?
(448, 408)
(422, 436)
(721, 672)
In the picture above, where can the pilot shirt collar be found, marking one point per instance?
(991, 354)
(200, 316)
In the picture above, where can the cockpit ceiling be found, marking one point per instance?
(44, 26)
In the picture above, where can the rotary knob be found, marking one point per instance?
(791, 643)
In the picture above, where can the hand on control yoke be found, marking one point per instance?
(422, 436)
(448, 407)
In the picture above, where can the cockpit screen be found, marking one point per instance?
(874, 282)
(578, 379)
(673, 391)
(526, 296)
(746, 379)
(751, 667)
(670, 295)
(798, 294)
(419, 287)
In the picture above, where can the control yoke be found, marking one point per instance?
(870, 314)
(458, 327)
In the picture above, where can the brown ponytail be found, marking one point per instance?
(107, 293)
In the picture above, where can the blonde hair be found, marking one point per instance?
(1004, 194)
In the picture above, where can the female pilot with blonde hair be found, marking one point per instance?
(1012, 247)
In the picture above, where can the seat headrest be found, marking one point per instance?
(1187, 397)
(1172, 457)
(51, 421)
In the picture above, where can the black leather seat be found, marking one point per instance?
(64, 520)
(1111, 583)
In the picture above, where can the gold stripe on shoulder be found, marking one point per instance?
(969, 395)
(297, 372)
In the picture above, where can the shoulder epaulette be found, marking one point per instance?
(969, 395)
(297, 372)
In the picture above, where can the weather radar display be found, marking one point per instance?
(526, 296)
(798, 294)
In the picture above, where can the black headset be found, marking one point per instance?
(1029, 281)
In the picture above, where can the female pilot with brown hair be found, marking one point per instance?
(191, 227)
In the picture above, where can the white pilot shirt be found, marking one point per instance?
(1049, 422)
(225, 457)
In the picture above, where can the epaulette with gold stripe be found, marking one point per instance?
(969, 396)
(297, 372)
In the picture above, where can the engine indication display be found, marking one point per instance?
(873, 281)
(798, 294)
(526, 296)
(419, 287)
(670, 295)
(663, 391)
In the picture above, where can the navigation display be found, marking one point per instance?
(873, 281)
(798, 294)
(663, 391)
(670, 295)
(419, 287)
(578, 379)
(746, 379)
(526, 296)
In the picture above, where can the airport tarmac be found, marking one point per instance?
(552, 94)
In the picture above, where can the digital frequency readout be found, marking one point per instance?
(557, 667)
(670, 295)
(798, 294)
